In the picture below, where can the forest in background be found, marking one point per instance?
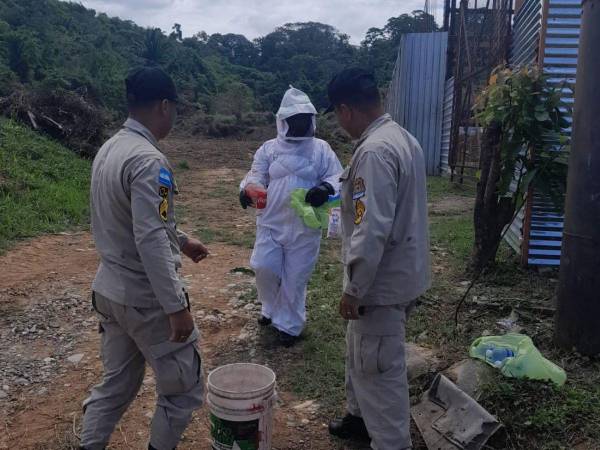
(54, 46)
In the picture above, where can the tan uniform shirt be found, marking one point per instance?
(384, 218)
(133, 222)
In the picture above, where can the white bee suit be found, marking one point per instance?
(286, 250)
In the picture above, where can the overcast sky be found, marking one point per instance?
(254, 18)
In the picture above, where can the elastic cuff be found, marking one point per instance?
(183, 239)
(329, 187)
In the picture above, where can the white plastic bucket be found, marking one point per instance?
(241, 398)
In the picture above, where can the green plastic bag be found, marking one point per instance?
(528, 362)
(317, 218)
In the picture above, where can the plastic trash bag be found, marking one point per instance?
(317, 218)
(527, 362)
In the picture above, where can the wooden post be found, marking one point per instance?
(578, 306)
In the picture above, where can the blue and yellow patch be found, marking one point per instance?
(359, 190)
(164, 178)
(165, 184)
(163, 208)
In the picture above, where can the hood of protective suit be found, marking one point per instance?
(294, 102)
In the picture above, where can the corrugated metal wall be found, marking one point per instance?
(526, 33)
(416, 93)
(525, 50)
(446, 126)
(559, 61)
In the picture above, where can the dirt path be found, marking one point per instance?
(48, 336)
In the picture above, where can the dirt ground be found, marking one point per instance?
(49, 344)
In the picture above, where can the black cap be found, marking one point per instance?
(353, 86)
(147, 84)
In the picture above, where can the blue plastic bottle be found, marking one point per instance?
(498, 355)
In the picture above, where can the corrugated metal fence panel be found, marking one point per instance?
(525, 48)
(416, 93)
(560, 65)
(526, 33)
(446, 125)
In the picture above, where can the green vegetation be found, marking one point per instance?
(320, 373)
(520, 111)
(440, 187)
(541, 416)
(43, 186)
(456, 231)
(380, 46)
(209, 234)
(49, 44)
(183, 165)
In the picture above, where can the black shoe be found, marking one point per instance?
(287, 340)
(349, 427)
(264, 321)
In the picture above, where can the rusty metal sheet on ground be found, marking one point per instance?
(449, 419)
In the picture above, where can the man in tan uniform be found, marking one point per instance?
(386, 261)
(142, 306)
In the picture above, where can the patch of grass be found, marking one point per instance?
(44, 187)
(455, 234)
(209, 234)
(183, 165)
(541, 416)
(243, 271)
(320, 373)
(440, 187)
(221, 191)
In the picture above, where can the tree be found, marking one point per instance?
(152, 49)
(202, 36)
(176, 34)
(235, 47)
(379, 49)
(236, 100)
(23, 57)
(306, 55)
(522, 137)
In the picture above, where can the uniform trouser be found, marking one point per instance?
(376, 381)
(283, 271)
(130, 337)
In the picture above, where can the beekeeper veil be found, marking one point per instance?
(295, 102)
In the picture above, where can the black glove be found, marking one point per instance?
(245, 201)
(318, 195)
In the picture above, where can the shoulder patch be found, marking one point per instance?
(163, 207)
(164, 178)
(360, 189)
(360, 210)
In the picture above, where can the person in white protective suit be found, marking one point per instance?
(286, 250)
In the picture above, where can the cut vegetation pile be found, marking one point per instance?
(63, 115)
